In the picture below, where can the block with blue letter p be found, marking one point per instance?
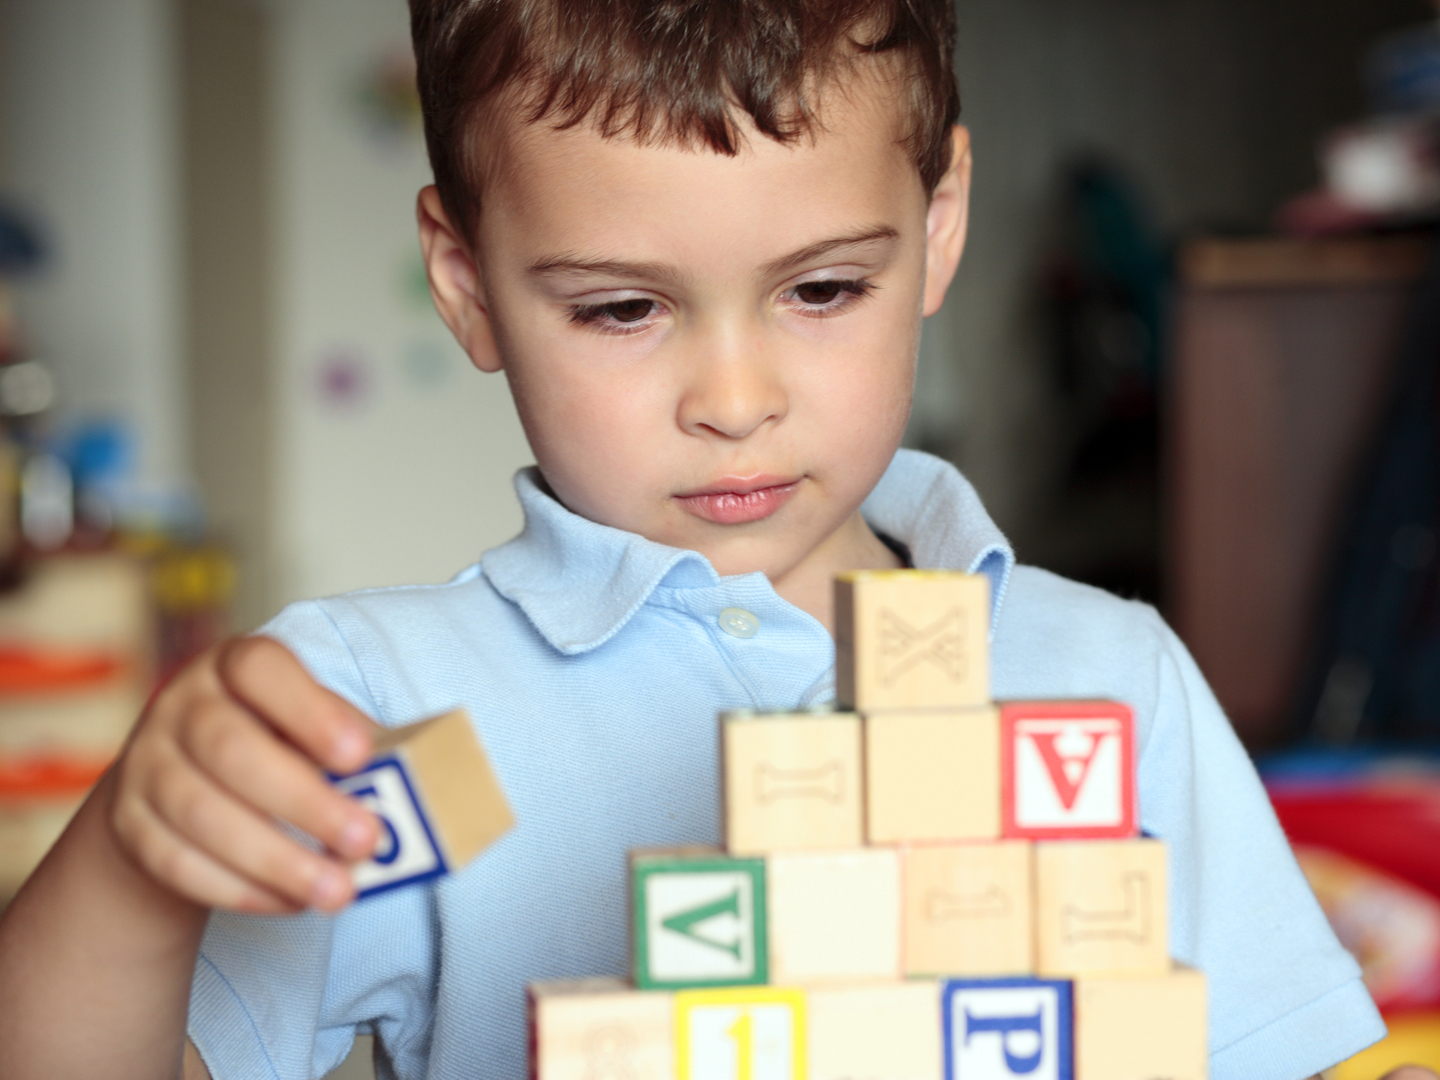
(1003, 1029)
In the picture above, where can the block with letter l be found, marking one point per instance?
(437, 799)
(912, 639)
(1101, 907)
(969, 909)
(1067, 769)
(792, 781)
(1003, 1029)
(698, 919)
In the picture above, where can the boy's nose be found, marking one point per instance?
(731, 390)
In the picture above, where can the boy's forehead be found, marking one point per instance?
(548, 185)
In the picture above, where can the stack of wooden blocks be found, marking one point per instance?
(926, 886)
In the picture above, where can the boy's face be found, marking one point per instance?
(714, 352)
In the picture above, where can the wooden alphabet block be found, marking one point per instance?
(912, 639)
(834, 915)
(697, 919)
(1101, 907)
(998, 1029)
(750, 1033)
(792, 781)
(600, 1027)
(968, 909)
(877, 1031)
(438, 803)
(1067, 769)
(932, 776)
(1136, 1027)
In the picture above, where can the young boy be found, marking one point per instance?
(698, 238)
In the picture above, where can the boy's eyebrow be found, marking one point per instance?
(827, 247)
(574, 264)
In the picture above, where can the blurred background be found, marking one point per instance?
(1190, 357)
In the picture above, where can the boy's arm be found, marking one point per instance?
(97, 952)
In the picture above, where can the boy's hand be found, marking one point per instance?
(232, 746)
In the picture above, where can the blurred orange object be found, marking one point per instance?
(48, 777)
(31, 670)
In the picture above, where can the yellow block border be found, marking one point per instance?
(686, 1000)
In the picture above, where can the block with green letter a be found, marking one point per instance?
(697, 919)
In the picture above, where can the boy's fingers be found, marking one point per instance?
(187, 870)
(244, 757)
(263, 674)
(207, 818)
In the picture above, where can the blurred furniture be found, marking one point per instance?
(1282, 361)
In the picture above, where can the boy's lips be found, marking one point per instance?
(734, 500)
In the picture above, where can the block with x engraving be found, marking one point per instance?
(1067, 769)
(792, 781)
(912, 639)
(1101, 907)
(697, 919)
(932, 775)
(968, 909)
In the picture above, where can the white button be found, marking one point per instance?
(737, 622)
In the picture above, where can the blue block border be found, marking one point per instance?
(441, 869)
(1064, 996)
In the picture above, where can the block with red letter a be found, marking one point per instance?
(1067, 770)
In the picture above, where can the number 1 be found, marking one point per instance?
(740, 1031)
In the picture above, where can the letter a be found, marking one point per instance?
(687, 921)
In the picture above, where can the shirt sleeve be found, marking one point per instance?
(284, 996)
(1286, 1000)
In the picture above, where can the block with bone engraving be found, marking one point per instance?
(1135, 1027)
(1067, 769)
(912, 639)
(1101, 907)
(834, 915)
(697, 919)
(968, 909)
(932, 775)
(600, 1027)
(792, 781)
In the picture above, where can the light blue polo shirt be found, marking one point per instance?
(593, 663)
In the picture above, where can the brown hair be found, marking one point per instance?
(670, 69)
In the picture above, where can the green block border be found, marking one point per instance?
(648, 866)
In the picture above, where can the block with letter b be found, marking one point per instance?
(591, 1028)
(1136, 1027)
(1067, 769)
(438, 802)
(697, 919)
(792, 781)
(912, 639)
(968, 909)
(1101, 906)
(744, 1033)
(1000, 1029)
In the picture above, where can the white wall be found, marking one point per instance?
(89, 145)
(411, 481)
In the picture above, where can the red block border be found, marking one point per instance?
(1011, 712)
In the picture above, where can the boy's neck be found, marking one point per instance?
(810, 586)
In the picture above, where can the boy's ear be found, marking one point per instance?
(946, 222)
(455, 284)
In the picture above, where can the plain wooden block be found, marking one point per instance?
(834, 915)
(1137, 1027)
(698, 919)
(968, 909)
(438, 802)
(792, 781)
(1067, 769)
(1000, 1029)
(877, 1031)
(591, 1028)
(756, 1032)
(1101, 907)
(912, 639)
(932, 776)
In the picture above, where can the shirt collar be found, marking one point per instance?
(579, 583)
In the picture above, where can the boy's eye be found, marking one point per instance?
(828, 296)
(615, 313)
(819, 292)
